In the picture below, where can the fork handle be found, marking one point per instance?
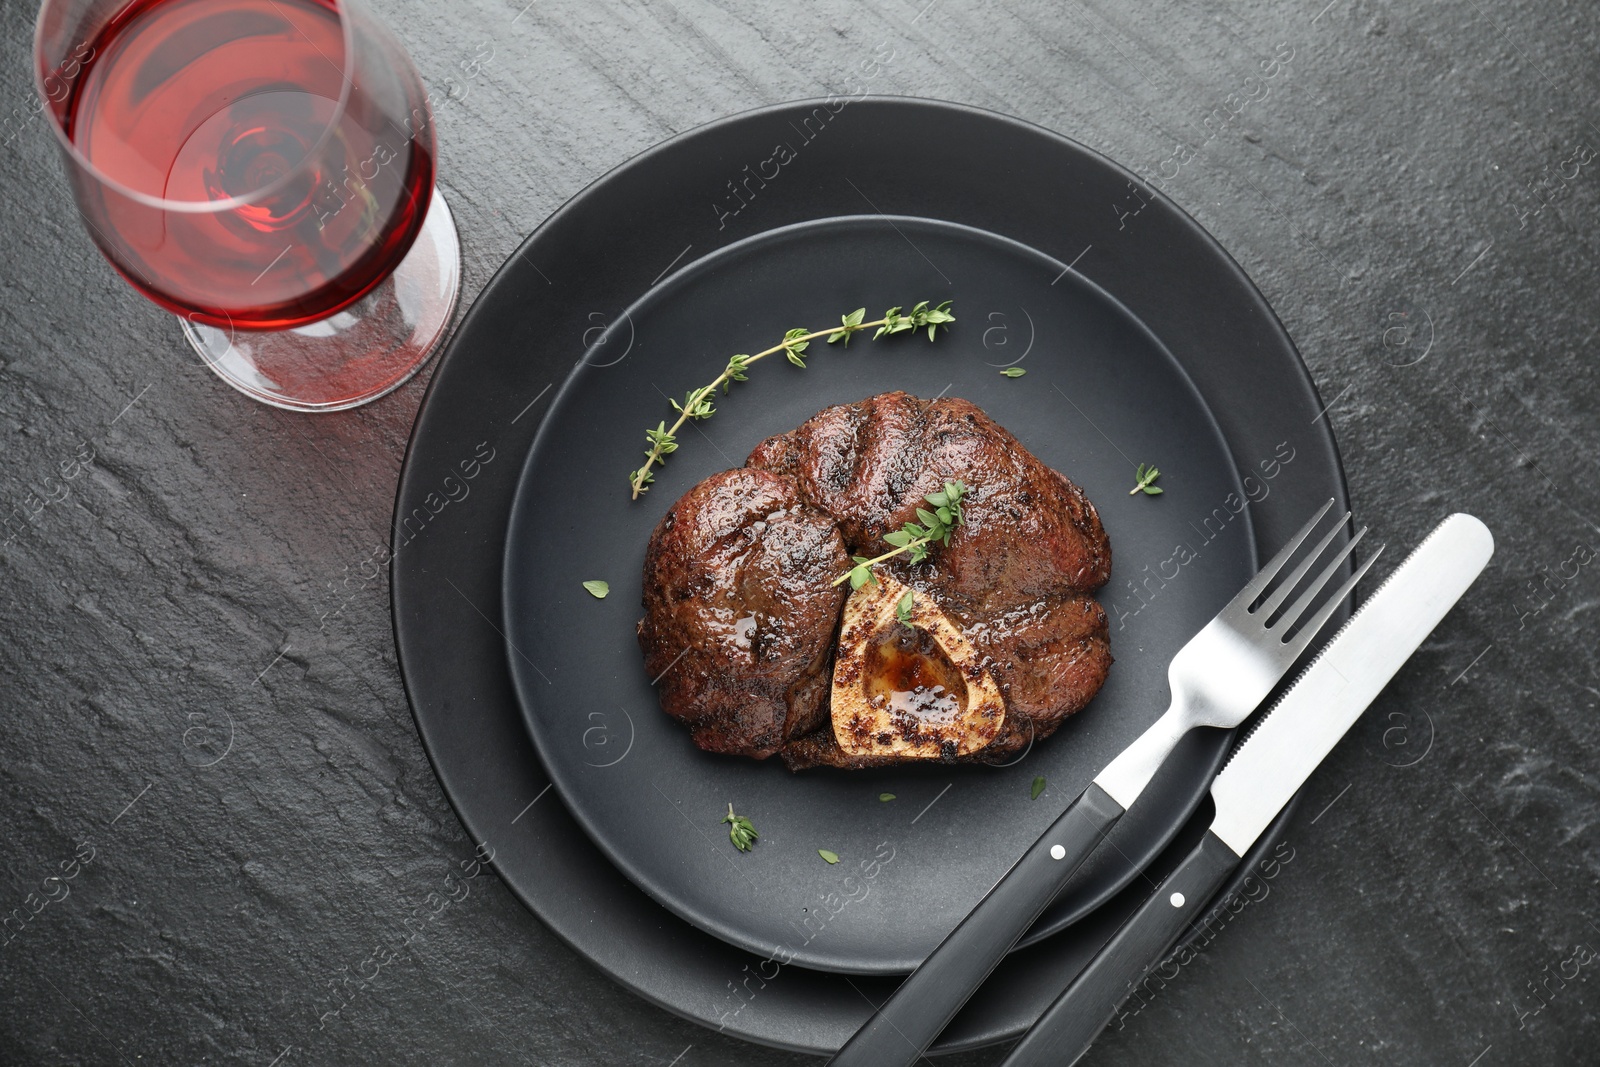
(929, 998)
(1069, 1026)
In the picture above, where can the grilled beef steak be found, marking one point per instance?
(1005, 607)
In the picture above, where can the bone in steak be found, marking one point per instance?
(738, 574)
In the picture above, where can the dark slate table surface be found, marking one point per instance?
(1417, 199)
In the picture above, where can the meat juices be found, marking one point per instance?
(738, 582)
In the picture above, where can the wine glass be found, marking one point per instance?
(263, 169)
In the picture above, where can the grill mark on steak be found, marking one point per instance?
(1017, 575)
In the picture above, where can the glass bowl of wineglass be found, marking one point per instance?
(264, 170)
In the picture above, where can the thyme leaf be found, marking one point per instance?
(903, 609)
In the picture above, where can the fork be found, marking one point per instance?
(1217, 679)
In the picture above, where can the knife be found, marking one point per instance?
(1268, 768)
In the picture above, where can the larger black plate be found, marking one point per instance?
(592, 259)
(1100, 390)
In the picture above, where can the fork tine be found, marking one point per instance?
(1253, 589)
(1315, 620)
(1293, 649)
(1270, 605)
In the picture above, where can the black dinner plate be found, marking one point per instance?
(597, 256)
(1101, 394)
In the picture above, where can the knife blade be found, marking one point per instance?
(1288, 743)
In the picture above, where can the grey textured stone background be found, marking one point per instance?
(250, 793)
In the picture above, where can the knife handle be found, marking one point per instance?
(929, 998)
(1069, 1026)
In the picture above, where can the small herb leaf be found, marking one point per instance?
(903, 609)
(884, 798)
(740, 832)
(850, 324)
(1145, 478)
(831, 857)
(661, 441)
(1014, 372)
(1038, 787)
(737, 365)
(597, 589)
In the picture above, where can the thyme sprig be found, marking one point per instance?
(740, 832)
(697, 403)
(936, 526)
(1145, 481)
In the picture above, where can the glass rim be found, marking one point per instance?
(341, 9)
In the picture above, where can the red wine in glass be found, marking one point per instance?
(257, 165)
